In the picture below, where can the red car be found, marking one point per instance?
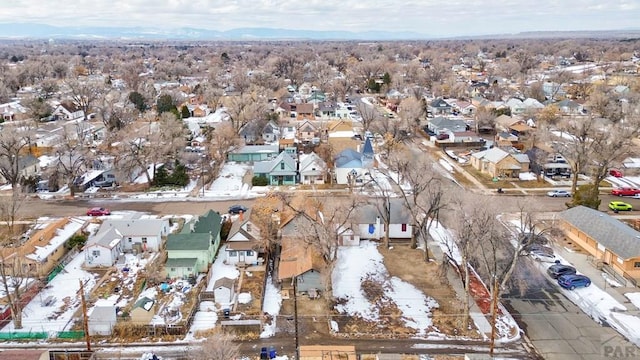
(615, 173)
(98, 211)
(625, 191)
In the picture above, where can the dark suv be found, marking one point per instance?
(557, 270)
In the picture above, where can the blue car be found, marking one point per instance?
(573, 281)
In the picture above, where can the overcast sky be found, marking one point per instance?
(428, 17)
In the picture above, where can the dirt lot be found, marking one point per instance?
(402, 262)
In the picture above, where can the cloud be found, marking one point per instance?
(454, 17)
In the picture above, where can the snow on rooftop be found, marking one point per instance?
(62, 235)
(219, 269)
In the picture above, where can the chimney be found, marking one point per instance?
(241, 215)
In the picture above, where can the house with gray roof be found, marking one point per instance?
(313, 170)
(439, 106)
(610, 241)
(139, 234)
(499, 163)
(369, 220)
(446, 125)
(244, 242)
(103, 249)
(280, 171)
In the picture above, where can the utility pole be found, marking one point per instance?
(85, 321)
(295, 316)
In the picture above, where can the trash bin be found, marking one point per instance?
(272, 352)
(264, 355)
(226, 313)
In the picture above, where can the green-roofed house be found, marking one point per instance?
(192, 250)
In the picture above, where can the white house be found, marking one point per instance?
(312, 169)
(349, 168)
(224, 291)
(67, 111)
(103, 249)
(370, 221)
(101, 320)
(243, 242)
(139, 234)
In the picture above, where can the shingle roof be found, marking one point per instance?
(493, 155)
(191, 241)
(181, 263)
(368, 213)
(271, 166)
(348, 158)
(367, 149)
(609, 232)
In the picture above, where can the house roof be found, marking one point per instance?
(607, 231)
(107, 239)
(255, 149)
(224, 282)
(271, 166)
(296, 258)
(368, 213)
(102, 313)
(521, 158)
(454, 125)
(144, 303)
(304, 108)
(493, 155)
(181, 263)
(130, 227)
(367, 149)
(209, 223)
(348, 158)
(190, 241)
(311, 161)
(520, 127)
(439, 103)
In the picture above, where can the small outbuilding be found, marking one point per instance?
(224, 290)
(101, 320)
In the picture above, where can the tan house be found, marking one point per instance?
(304, 111)
(307, 132)
(496, 162)
(614, 244)
(41, 253)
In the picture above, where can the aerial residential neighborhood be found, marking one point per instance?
(451, 199)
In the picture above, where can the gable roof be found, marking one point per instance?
(348, 158)
(296, 258)
(190, 241)
(224, 282)
(493, 155)
(271, 166)
(454, 125)
(608, 231)
(368, 213)
(209, 223)
(311, 160)
(440, 104)
(144, 303)
(107, 239)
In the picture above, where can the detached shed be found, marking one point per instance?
(101, 320)
(143, 311)
(223, 290)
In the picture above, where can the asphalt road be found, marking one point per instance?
(557, 328)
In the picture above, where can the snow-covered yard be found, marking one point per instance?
(229, 183)
(356, 265)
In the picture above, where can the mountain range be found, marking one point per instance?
(42, 31)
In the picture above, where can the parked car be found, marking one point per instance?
(98, 211)
(620, 206)
(615, 173)
(573, 281)
(625, 191)
(442, 136)
(559, 193)
(103, 183)
(542, 256)
(557, 270)
(236, 209)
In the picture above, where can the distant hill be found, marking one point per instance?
(41, 31)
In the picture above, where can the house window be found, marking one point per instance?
(404, 227)
(95, 253)
(636, 264)
(144, 240)
(281, 166)
(130, 239)
(188, 269)
(233, 253)
(173, 269)
(249, 253)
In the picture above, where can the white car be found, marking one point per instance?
(559, 193)
(543, 256)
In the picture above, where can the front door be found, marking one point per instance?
(241, 256)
